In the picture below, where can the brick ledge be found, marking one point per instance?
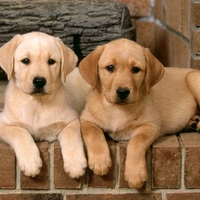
(173, 165)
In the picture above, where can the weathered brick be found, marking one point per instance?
(191, 142)
(7, 167)
(182, 51)
(3, 85)
(170, 48)
(31, 196)
(159, 10)
(183, 196)
(195, 44)
(166, 163)
(108, 180)
(61, 179)
(186, 18)
(195, 6)
(195, 62)
(41, 181)
(173, 14)
(122, 153)
(128, 196)
(163, 45)
(145, 34)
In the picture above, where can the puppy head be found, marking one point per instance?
(123, 70)
(37, 62)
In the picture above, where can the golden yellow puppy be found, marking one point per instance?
(38, 105)
(134, 98)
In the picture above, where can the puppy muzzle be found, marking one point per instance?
(122, 93)
(39, 84)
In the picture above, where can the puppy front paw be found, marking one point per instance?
(75, 165)
(30, 162)
(136, 175)
(100, 162)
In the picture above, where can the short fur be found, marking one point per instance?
(45, 113)
(161, 101)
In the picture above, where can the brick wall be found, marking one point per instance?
(173, 166)
(169, 28)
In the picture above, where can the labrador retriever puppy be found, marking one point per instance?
(133, 98)
(38, 105)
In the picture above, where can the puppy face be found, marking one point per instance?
(37, 62)
(122, 72)
(123, 69)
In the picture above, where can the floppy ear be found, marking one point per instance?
(7, 52)
(88, 67)
(68, 58)
(155, 70)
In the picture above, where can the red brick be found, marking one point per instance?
(183, 196)
(173, 14)
(127, 196)
(171, 49)
(163, 45)
(7, 167)
(145, 34)
(195, 62)
(191, 142)
(195, 44)
(159, 10)
(61, 179)
(31, 196)
(181, 52)
(196, 13)
(186, 18)
(166, 163)
(108, 180)
(122, 151)
(2, 91)
(42, 180)
(137, 8)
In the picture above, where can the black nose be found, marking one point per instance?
(39, 82)
(123, 93)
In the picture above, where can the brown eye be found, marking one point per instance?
(26, 61)
(51, 61)
(110, 68)
(135, 70)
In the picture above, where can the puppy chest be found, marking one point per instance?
(44, 125)
(43, 121)
(117, 123)
(49, 132)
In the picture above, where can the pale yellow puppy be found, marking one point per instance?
(134, 98)
(38, 105)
